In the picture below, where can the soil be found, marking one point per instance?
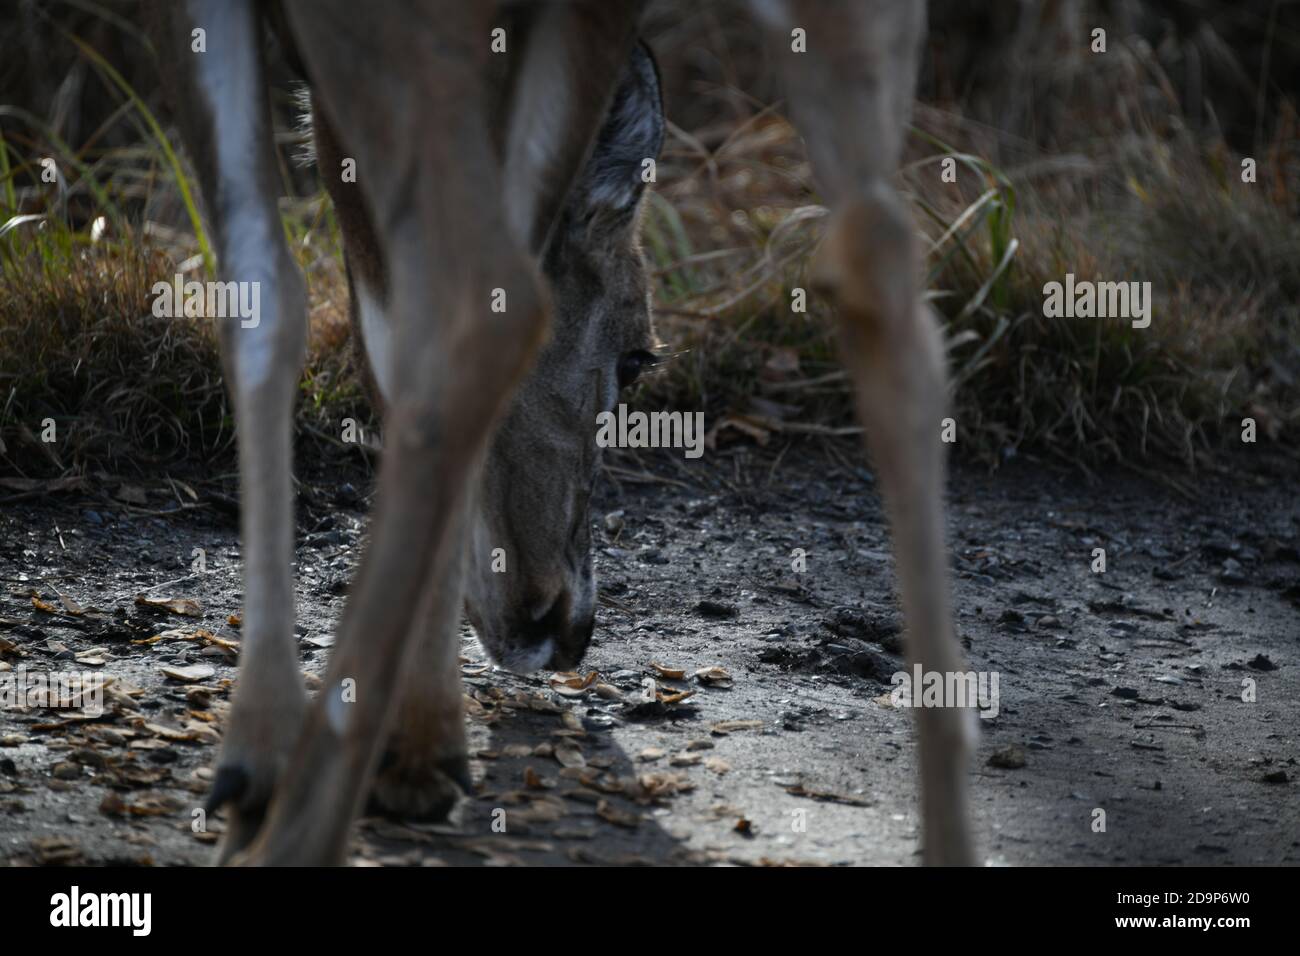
(1147, 714)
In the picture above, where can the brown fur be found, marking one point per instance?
(478, 449)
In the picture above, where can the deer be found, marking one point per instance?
(485, 179)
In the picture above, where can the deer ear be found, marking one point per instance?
(615, 176)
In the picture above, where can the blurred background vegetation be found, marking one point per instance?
(1122, 166)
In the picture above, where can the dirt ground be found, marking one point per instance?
(1119, 692)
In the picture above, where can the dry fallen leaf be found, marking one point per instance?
(724, 727)
(717, 765)
(170, 733)
(713, 677)
(43, 606)
(198, 696)
(186, 607)
(569, 756)
(55, 850)
(190, 674)
(146, 805)
(212, 640)
(827, 796)
(607, 811)
(663, 783)
(651, 754)
(534, 782)
(669, 673)
(584, 775)
(573, 723)
(540, 809)
(674, 698)
(570, 684)
(202, 730)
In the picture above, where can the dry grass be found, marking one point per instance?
(1139, 199)
(1135, 195)
(129, 392)
(79, 346)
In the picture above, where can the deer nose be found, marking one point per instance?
(548, 621)
(555, 630)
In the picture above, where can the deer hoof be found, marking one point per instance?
(421, 790)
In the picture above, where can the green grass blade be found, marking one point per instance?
(173, 162)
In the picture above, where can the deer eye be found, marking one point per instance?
(631, 364)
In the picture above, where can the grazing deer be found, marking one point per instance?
(516, 179)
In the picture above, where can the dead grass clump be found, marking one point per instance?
(1120, 186)
(1139, 198)
(84, 360)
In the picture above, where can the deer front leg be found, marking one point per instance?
(426, 165)
(425, 762)
(221, 108)
(570, 60)
(447, 399)
(850, 95)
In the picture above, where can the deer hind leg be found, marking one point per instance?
(226, 125)
(549, 116)
(850, 96)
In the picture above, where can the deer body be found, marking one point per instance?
(523, 190)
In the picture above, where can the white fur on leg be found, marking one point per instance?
(263, 354)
